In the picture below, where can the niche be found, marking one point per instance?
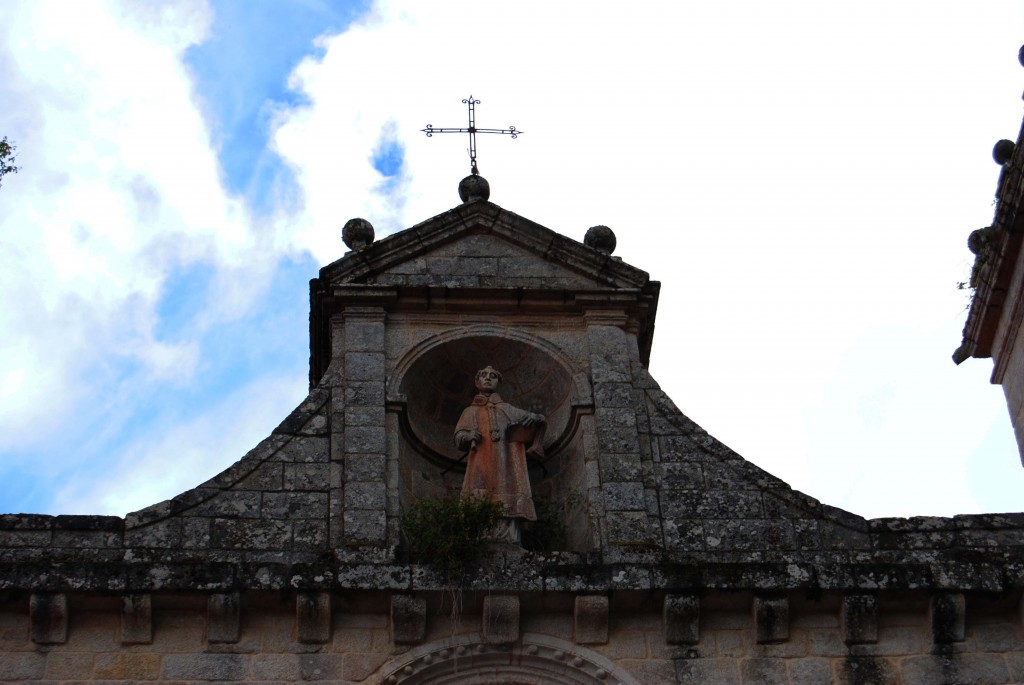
(435, 383)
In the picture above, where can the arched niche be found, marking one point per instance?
(434, 382)
(535, 660)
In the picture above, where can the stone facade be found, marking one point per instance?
(682, 563)
(993, 327)
(546, 636)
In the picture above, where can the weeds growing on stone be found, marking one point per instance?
(449, 532)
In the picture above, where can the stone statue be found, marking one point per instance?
(497, 438)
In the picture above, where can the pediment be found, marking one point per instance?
(482, 245)
(483, 260)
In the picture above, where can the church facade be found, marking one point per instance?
(993, 327)
(677, 561)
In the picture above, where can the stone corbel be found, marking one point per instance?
(590, 620)
(681, 618)
(947, 614)
(858, 618)
(49, 615)
(500, 619)
(137, 619)
(313, 617)
(408, 619)
(771, 618)
(223, 617)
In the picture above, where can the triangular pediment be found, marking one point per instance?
(479, 244)
(483, 260)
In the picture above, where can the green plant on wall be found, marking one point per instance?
(547, 533)
(7, 158)
(449, 532)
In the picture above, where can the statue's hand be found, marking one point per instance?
(532, 420)
(467, 440)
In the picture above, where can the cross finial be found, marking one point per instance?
(472, 131)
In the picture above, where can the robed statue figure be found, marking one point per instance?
(497, 438)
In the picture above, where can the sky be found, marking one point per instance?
(801, 177)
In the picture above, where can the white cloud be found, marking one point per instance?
(800, 176)
(120, 187)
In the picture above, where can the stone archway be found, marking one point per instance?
(433, 382)
(535, 660)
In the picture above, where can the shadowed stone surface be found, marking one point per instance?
(408, 619)
(501, 619)
(137, 619)
(590, 620)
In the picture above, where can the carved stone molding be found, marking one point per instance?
(537, 659)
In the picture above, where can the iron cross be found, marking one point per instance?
(472, 131)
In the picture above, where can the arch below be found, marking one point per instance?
(535, 660)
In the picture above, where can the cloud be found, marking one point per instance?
(179, 454)
(800, 177)
(121, 191)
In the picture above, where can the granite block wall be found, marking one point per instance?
(623, 637)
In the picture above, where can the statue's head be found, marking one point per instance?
(487, 379)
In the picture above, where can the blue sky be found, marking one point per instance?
(241, 72)
(800, 176)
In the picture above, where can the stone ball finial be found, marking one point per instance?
(979, 240)
(1002, 151)
(601, 238)
(474, 189)
(357, 234)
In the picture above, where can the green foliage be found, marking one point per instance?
(7, 159)
(449, 532)
(547, 533)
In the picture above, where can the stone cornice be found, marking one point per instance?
(995, 263)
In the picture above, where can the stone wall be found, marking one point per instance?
(993, 327)
(717, 639)
(685, 563)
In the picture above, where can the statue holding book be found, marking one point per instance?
(497, 438)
